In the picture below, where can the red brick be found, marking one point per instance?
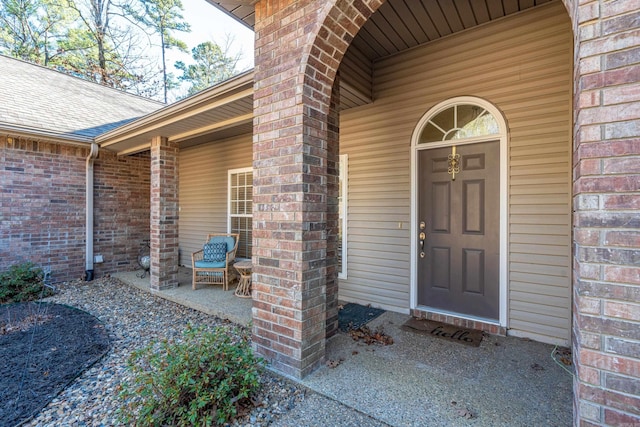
(615, 418)
(623, 384)
(611, 363)
(627, 165)
(589, 167)
(623, 310)
(626, 238)
(606, 184)
(622, 201)
(622, 347)
(589, 375)
(611, 399)
(623, 147)
(589, 305)
(620, 274)
(587, 237)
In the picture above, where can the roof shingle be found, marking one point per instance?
(36, 98)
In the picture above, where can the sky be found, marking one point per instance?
(208, 23)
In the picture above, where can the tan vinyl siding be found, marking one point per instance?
(203, 189)
(355, 72)
(522, 64)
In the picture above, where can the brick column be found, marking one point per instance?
(299, 46)
(606, 306)
(164, 214)
(333, 214)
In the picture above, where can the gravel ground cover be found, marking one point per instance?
(133, 319)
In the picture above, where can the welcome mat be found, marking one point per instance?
(353, 316)
(443, 330)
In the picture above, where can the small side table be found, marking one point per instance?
(244, 285)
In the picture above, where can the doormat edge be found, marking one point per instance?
(353, 315)
(432, 328)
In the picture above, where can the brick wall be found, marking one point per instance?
(121, 209)
(606, 308)
(42, 207)
(333, 214)
(42, 199)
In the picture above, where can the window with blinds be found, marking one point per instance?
(241, 208)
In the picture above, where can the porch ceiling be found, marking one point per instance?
(396, 26)
(402, 24)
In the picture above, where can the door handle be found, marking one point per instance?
(422, 237)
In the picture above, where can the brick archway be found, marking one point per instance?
(296, 176)
(299, 47)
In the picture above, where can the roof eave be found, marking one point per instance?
(231, 14)
(18, 131)
(173, 112)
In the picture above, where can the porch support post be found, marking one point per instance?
(290, 161)
(298, 49)
(333, 214)
(164, 214)
(606, 200)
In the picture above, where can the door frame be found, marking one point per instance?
(415, 147)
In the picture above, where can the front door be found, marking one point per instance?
(459, 229)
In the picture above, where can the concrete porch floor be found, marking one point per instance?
(416, 381)
(210, 299)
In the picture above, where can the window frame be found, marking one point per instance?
(343, 192)
(231, 172)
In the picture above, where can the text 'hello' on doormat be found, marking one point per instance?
(443, 330)
(353, 316)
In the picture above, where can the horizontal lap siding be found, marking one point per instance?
(522, 64)
(203, 189)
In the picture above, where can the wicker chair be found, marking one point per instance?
(212, 267)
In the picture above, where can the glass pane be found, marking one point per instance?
(444, 119)
(468, 121)
(456, 134)
(476, 121)
(467, 114)
(241, 196)
(430, 133)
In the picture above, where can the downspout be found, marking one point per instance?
(93, 153)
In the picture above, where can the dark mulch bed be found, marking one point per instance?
(43, 347)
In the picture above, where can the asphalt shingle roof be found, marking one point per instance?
(38, 98)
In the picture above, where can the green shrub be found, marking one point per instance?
(200, 381)
(22, 282)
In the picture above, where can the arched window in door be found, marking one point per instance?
(459, 121)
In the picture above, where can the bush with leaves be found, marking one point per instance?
(22, 282)
(202, 380)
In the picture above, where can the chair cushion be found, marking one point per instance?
(227, 239)
(215, 252)
(209, 264)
